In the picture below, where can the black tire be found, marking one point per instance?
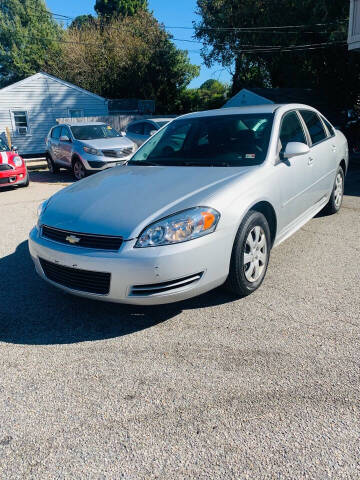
(237, 281)
(334, 204)
(27, 181)
(78, 169)
(51, 164)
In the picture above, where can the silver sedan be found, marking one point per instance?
(199, 205)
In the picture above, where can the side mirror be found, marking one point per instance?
(294, 149)
(123, 133)
(152, 132)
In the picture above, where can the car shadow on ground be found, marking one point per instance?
(34, 312)
(44, 176)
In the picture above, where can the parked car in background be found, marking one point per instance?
(13, 171)
(185, 216)
(86, 147)
(140, 130)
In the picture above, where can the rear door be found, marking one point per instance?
(65, 147)
(295, 174)
(323, 154)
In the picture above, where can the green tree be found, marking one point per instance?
(110, 8)
(127, 57)
(82, 21)
(28, 39)
(253, 58)
(211, 94)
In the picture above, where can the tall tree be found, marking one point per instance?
(253, 56)
(28, 39)
(111, 8)
(81, 21)
(126, 57)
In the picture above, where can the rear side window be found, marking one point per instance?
(329, 127)
(138, 128)
(56, 133)
(291, 130)
(314, 125)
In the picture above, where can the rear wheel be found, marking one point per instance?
(250, 255)
(51, 165)
(79, 170)
(337, 193)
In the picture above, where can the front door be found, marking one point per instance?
(295, 175)
(65, 147)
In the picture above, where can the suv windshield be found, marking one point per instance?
(3, 146)
(221, 140)
(92, 132)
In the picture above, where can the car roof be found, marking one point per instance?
(266, 108)
(82, 124)
(152, 120)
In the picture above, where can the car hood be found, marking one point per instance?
(108, 143)
(124, 200)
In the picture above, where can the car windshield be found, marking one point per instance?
(221, 140)
(3, 146)
(92, 132)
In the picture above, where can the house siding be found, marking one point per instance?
(354, 25)
(246, 97)
(45, 99)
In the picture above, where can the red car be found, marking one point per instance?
(13, 170)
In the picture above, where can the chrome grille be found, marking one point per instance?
(163, 287)
(118, 153)
(87, 240)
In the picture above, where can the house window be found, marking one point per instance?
(75, 112)
(21, 122)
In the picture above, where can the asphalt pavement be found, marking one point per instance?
(265, 387)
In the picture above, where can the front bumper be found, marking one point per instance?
(131, 266)
(14, 176)
(92, 163)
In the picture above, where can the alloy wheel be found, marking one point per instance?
(79, 170)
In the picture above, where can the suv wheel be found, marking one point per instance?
(79, 170)
(51, 165)
(250, 255)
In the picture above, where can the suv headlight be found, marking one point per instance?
(18, 161)
(180, 227)
(92, 151)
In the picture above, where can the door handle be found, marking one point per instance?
(310, 161)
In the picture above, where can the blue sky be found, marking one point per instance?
(170, 12)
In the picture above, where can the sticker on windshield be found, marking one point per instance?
(250, 155)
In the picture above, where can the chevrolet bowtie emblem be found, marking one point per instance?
(72, 239)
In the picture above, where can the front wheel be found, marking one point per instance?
(79, 169)
(51, 164)
(250, 255)
(337, 193)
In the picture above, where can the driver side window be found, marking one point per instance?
(291, 130)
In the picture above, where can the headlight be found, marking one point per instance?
(41, 208)
(92, 151)
(18, 161)
(178, 228)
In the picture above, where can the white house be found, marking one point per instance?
(354, 25)
(29, 109)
